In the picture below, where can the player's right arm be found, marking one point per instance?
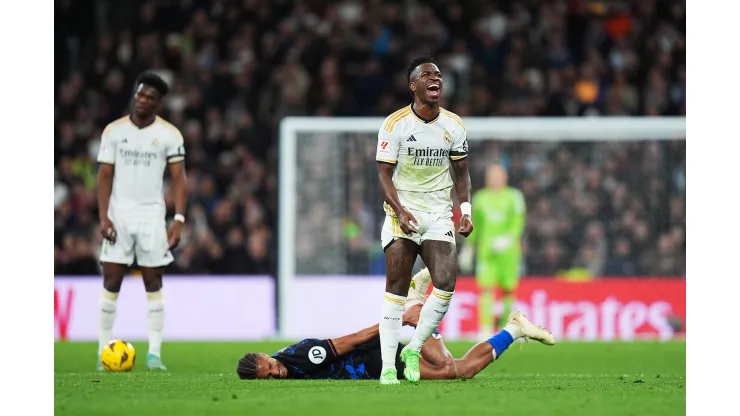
(386, 157)
(106, 163)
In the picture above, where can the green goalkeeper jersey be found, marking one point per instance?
(497, 214)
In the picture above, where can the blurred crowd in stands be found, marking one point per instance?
(238, 67)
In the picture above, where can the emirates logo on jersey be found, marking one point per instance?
(429, 156)
(136, 157)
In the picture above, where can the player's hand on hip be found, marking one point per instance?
(408, 224)
(108, 230)
(466, 226)
(174, 235)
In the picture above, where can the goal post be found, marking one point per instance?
(303, 180)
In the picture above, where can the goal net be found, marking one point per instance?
(591, 185)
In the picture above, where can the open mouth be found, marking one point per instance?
(433, 90)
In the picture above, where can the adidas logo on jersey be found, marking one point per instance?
(449, 234)
(411, 139)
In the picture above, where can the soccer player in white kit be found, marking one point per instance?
(134, 152)
(417, 145)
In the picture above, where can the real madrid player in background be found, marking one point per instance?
(134, 152)
(416, 146)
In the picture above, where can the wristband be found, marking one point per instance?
(466, 209)
(180, 217)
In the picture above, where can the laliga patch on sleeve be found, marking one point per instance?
(317, 354)
(384, 147)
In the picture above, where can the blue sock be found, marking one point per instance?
(501, 342)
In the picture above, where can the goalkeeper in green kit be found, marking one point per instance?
(499, 213)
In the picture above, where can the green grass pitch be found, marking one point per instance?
(640, 378)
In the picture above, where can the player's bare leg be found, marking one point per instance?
(399, 261)
(441, 259)
(443, 369)
(484, 353)
(112, 279)
(435, 365)
(155, 315)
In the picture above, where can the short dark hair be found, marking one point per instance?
(247, 367)
(155, 81)
(425, 59)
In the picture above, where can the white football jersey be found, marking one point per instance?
(421, 152)
(140, 156)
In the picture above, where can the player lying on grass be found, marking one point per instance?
(358, 356)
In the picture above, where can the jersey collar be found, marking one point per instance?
(421, 119)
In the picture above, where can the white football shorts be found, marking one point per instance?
(432, 226)
(143, 240)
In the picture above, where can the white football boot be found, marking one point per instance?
(530, 330)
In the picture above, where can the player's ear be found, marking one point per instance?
(412, 86)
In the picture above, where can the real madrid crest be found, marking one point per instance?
(448, 138)
(155, 142)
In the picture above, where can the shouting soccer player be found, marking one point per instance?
(358, 355)
(134, 152)
(416, 146)
(499, 216)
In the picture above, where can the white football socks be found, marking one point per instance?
(391, 322)
(155, 317)
(107, 315)
(431, 315)
(514, 330)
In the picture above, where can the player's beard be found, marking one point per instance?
(428, 100)
(144, 114)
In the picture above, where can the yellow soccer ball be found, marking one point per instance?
(118, 356)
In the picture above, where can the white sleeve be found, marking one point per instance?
(388, 144)
(175, 147)
(107, 152)
(459, 149)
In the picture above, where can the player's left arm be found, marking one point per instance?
(459, 160)
(176, 163)
(347, 343)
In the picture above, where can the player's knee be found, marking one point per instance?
(113, 286)
(112, 282)
(446, 282)
(398, 287)
(153, 284)
(448, 369)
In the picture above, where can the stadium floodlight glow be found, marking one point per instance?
(524, 129)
